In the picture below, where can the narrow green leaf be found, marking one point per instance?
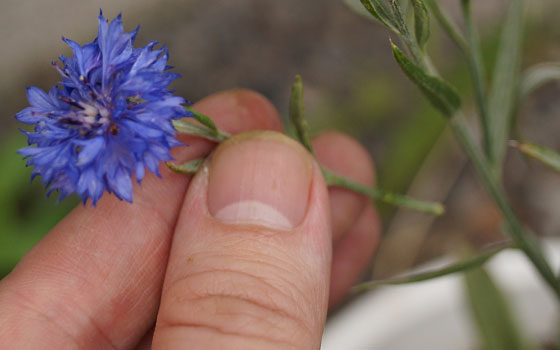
(297, 114)
(203, 119)
(491, 312)
(375, 193)
(503, 92)
(547, 156)
(460, 266)
(421, 22)
(522, 238)
(380, 12)
(188, 127)
(442, 96)
(413, 48)
(188, 168)
(357, 7)
(399, 18)
(537, 76)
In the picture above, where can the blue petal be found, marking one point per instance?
(29, 116)
(89, 185)
(38, 98)
(30, 151)
(78, 55)
(146, 58)
(90, 150)
(143, 130)
(121, 184)
(106, 73)
(161, 152)
(151, 162)
(148, 81)
(140, 171)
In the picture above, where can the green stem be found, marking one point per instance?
(448, 26)
(521, 238)
(461, 266)
(407, 38)
(470, 48)
(415, 51)
(331, 179)
(297, 114)
(476, 67)
(373, 193)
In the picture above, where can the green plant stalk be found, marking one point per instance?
(448, 26)
(409, 41)
(298, 117)
(415, 51)
(478, 75)
(297, 114)
(504, 87)
(470, 48)
(460, 266)
(374, 193)
(545, 155)
(497, 325)
(521, 238)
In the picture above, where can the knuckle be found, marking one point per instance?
(262, 305)
(61, 322)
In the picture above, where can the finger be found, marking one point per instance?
(250, 258)
(354, 221)
(146, 341)
(94, 281)
(344, 156)
(353, 253)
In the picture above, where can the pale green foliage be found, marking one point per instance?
(442, 96)
(503, 92)
(490, 309)
(421, 22)
(545, 155)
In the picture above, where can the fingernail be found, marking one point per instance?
(260, 178)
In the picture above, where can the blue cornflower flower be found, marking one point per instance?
(109, 118)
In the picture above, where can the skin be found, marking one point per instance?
(162, 273)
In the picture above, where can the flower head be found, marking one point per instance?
(108, 119)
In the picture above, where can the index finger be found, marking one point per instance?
(94, 281)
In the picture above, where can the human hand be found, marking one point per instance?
(214, 275)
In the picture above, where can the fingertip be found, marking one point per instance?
(233, 111)
(252, 243)
(123, 247)
(240, 110)
(346, 157)
(260, 108)
(353, 254)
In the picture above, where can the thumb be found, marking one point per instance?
(250, 260)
